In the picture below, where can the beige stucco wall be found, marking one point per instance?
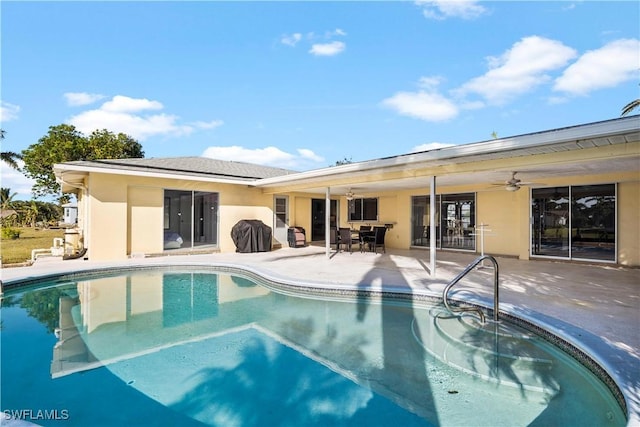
(126, 213)
(145, 223)
(107, 217)
(500, 212)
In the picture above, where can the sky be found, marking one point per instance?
(304, 84)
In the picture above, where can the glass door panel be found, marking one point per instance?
(550, 210)
(593, 222)
(457, 220)
(205, 218)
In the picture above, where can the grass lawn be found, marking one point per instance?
(19, 250)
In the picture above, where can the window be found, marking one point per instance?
(363, 209)
(575, 222)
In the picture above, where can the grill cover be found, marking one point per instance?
(251, 235)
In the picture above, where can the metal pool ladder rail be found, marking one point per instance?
(464, 273)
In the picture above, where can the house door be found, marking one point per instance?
(280, 219)
(318, 220)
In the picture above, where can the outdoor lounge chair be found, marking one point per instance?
(376, 239)
(296, 237)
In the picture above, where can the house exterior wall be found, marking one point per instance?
(126, 212)
(123, 215)
(501, 212)
(107, 217)
(145, 220)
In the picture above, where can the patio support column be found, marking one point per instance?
(432, 225)
(327, 222)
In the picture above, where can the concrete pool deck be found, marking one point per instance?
(594, 306)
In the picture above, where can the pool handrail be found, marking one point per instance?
(456, 279)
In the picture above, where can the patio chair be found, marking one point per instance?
(376, 240)
(346, 239)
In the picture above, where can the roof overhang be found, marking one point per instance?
(74, 174)
(591, 149)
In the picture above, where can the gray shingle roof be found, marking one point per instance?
(192, 166)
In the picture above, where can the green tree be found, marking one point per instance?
(64, 143)
(344, 161)
(6, 198)
(9, 157)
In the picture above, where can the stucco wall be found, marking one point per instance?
(108, 217)
(145, 224)
(126, 213)
(500, 211)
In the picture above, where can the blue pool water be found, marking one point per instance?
(195, 348)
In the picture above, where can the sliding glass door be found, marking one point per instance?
(455, 221)
(190, 219)
(574, 222)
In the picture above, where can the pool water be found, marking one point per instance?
(166, 347)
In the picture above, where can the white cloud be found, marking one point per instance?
(125, 104)
(308, 154)
(269, 156)
(291, 40)
(430, 146)
(8, 111)
(16, 181)
(519, 70)
(443, 9)
(128, 115)
(82, 98)
(207, 125)
(430, 83)
(327, 49)
(608, 66)
(336, 32)
(422, 105)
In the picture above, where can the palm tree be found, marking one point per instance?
(9, 157)
(630, 107)
(6, 198)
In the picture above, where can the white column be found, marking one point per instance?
(327, 222)
(432, 226)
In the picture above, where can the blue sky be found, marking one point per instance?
(303, 84)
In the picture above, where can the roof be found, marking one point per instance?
(407, 170)
(189, 166)
(518, 149)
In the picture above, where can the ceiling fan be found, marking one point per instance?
(514, 183)
(350, 195)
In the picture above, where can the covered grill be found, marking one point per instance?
(251, 235)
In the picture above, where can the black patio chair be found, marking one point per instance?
(376, 239)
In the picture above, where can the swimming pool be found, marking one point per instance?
(206, 347)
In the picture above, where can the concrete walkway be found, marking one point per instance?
(596, 307)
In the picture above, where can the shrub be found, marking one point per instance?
(10, 233)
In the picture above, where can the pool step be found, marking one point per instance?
(493, 352)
